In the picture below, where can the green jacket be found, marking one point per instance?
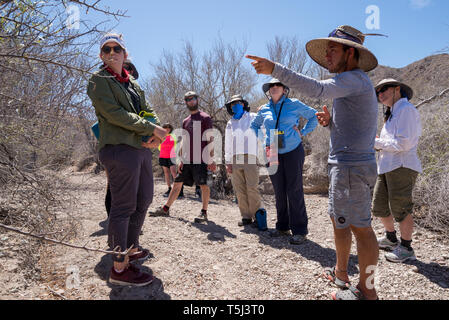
(118, 121)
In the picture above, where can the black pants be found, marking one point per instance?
(130, 179)
(289, 193)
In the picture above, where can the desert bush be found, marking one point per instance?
(43, 70)
(431, 191)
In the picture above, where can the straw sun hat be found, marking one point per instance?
(346, 35)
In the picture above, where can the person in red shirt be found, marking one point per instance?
(167, 157)
(193, 167)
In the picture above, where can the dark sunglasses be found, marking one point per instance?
(275, 85)
(383, 89)
(338, 33)
(106, 49)
(190, 99)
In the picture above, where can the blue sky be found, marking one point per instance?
(415, 28)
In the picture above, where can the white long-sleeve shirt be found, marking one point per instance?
(398, 139)
(240, 138)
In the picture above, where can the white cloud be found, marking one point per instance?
(419, 4)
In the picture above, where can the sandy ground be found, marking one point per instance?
(218, 260)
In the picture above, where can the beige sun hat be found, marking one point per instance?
(408, 91)
(266, 86)
(234, 98)
(345, 35)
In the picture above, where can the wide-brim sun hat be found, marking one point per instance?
(266, 86)
(237, 97)
(346, 35)
(393, 82)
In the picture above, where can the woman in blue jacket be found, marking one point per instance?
(280, 117)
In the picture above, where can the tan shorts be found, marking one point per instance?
(393, 194)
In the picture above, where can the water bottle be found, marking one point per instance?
(150, 117)
(96, 130)
(261, 218)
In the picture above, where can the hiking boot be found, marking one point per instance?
(160, 212)
(131, 276)
(400, 254)
(386, 244)
(141, 255)
(167, 193)
(297, 239)
(279, 233)
(201, 218)
(245, 222)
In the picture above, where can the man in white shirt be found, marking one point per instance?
(398, 167)
(241, 158)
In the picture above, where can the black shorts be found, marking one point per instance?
(193, 173)
(165, 162)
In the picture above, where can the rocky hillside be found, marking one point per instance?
(427, 77)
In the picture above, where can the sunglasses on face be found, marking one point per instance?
(190, 99)
(383, 89)
(117, 49)
(275, 85)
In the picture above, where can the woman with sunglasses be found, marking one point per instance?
(118, 100)
(131, 68)
(280, 117)
(398, 166)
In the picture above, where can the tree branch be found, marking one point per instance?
(441, 94)
(41, 237)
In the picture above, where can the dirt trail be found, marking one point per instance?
(221, 260)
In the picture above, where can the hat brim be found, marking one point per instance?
(408, 90)
(317, 51)
(266, 86)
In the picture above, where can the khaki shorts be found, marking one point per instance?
(393, 194)
(350, 190)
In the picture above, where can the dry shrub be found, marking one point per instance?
(430, 193)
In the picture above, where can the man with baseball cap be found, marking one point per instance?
(193, 167)
(352, 163)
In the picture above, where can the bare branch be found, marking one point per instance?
(441, 94)
(41, 237)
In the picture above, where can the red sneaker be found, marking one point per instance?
(141, 255)
(131, 276)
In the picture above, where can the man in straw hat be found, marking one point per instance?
(352, 163)
(398, 167)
